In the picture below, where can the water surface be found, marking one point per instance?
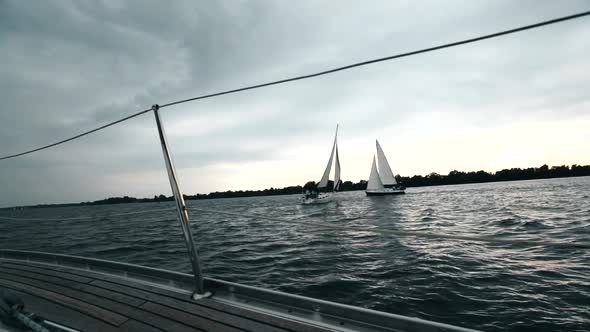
(483, 286)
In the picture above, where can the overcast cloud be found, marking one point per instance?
(70, 66)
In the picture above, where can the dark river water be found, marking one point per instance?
(479, 285)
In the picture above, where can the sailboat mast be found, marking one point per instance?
(337, 166)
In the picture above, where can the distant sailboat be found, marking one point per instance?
(382, 181)
(323, 194)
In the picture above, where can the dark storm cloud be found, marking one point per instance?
(71, 66)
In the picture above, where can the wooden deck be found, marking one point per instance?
(92, 301)
(95, 295)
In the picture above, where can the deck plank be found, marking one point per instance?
(64, 315)
(189, 319)
(36, 269)
(86, 308)
(241, 321)
(179, 301)
(34, 275)
(135, 326)
(115, 296)
(44, 275)
(123, 310)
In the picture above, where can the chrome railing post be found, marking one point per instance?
(181, 209)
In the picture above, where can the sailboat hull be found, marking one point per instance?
(385, 192)
(321, 199)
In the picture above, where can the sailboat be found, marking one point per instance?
(382, 181)
(323, 194)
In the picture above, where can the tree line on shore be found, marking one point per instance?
(432, 179)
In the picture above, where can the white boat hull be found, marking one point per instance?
(385, 191)
(321, 199)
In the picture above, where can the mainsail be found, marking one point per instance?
(324, 181)
(374, 179)
(337, 172)
(384, 169)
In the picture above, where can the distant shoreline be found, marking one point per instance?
(433, 179)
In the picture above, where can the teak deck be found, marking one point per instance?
(93, 296)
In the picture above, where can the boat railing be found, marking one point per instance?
(181, 209)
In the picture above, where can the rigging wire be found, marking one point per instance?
(387, 58)
(312, 75)
(402, 233)
(77, 136)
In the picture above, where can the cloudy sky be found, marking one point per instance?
(69, 66)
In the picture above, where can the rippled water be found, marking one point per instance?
(484, 286)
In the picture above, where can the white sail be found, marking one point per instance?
(324, 181)
(374, 179)
(337, 172)
(384, 169)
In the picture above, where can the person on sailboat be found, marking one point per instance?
(311, 194)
